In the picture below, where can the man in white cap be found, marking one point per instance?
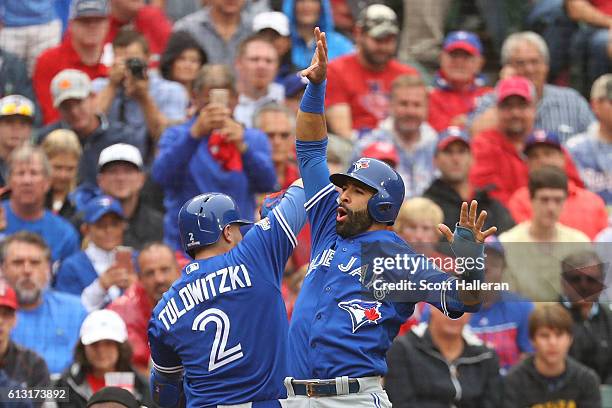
(274, 27)
(16, 118)
(71, 90)
(121, 176)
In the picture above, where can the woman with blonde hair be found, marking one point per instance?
(63, 150)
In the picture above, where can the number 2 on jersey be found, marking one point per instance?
(219, 355)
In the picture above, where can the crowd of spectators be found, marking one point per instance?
(113, 113)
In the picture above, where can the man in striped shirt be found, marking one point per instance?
(559, 109)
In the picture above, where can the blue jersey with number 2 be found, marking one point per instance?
(223, 323)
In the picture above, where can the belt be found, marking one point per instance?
(322, 388)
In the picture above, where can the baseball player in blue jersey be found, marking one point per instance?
(338, 337)
(218, 336)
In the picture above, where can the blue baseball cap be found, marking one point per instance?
(542, 137)
(294, 84)
(492, 243)
(450, 135)
(463, 40)
(98, 207)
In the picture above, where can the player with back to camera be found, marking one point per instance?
(218, 336)
(338, 340)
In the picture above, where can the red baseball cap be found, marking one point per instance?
(515, 86)
(8, 297)
(450, 135)
(381, 151)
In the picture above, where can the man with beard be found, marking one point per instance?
(157, 268)
(359, 83)
(406, 127)
(48, 321)
(498, 161)
(339, 334)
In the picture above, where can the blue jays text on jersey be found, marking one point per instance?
(223, 323)
(335, 330)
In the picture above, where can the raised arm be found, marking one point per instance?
(310, 124)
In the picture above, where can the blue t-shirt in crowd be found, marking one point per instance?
(52, 329)
(58, 233)
(21, 13)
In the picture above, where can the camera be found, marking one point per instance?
(137, 67)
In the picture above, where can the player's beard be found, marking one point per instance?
(355, 223)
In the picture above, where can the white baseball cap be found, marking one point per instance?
(103, 325)
(274, 20)
(120, 152)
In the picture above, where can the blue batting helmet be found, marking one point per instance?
(202, 219)
(388, 185)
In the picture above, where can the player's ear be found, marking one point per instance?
(227, 234)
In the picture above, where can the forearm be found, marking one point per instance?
(310, 124)
(104, 99)
(584, 12)
(471, 253)
(155, 120)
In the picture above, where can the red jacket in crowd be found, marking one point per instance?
(445, 103)
(498, 166)
(583, 209)
(135, 309)
(49, 64)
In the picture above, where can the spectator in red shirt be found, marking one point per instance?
(457, 84)
(583, 209)
(82, 49)
(359, 84)
(157, 268)
(498, 161)
(150, 21)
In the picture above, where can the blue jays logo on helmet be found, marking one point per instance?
(387, 184)
(361, 164)
(362, 312)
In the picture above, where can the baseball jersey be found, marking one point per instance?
(223, 323)
(335, 329)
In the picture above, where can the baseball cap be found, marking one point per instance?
(542, 136)
(378, 21)
(381, 151)
(492, 243)
(70, 84)
(12, 105)
(114, 394)
(294, 84)
(515, 86)
(120, 152)
(88, 8)
(103, 325)
(463, 40)
(99, 206)
(274, 20)
(450, 135)
(8, 297)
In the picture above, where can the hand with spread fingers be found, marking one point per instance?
(468, 220)
(317, 71)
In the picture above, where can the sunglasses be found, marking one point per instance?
(576, 278)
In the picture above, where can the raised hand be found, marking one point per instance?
(317, 71)
(468, 220)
